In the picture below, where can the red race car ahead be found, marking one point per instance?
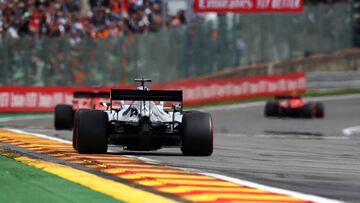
(294, 107)
(64, 113)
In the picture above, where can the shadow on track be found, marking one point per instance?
(295, 133)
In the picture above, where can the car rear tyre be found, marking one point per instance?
(75, 127)
(63, 117)
(308, 110)
(197, 134)
(319, 110)
(90, 134)
(271, 109)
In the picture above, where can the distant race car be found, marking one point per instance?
(144, 122)
(294, 106)
(64, 113)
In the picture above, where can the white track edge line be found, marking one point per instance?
(39, 135)
(308, 197)
(222, 177)
(144, 159)
(350, 130)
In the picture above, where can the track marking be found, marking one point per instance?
(188, 184)
(284, 135)
(144, 159)
(114, 189)
(39, 135)
(273, 189)
(355, 130)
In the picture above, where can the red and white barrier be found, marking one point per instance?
(35, 99)
(215, 90)
(44, 99)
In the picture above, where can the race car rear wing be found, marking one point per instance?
(282, 97)
(103, 94)
(146, 95)
(83, 94)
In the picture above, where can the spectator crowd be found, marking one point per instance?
(227, 41)
(93, 18)
(77, 18)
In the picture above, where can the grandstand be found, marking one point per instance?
(106, 42)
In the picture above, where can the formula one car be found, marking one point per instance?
(144, 122)
(64, 113)
(293, 106)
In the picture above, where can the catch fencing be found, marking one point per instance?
(198, 48)
(333, 80)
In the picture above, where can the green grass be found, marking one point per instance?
(22, 183)
(15, 115)
(333, 92)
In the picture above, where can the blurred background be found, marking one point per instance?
(110, 42)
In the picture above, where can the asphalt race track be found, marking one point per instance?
(307, 156)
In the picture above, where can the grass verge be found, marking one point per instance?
(22, 183)
(22, 115)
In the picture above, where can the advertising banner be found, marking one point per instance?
(44, 99)
(215, 90)
(35, 99)
(249, 6)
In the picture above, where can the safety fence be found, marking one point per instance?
(44, 99)
(196, 49)
(334, 80)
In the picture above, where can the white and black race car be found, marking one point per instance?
(143, 122)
